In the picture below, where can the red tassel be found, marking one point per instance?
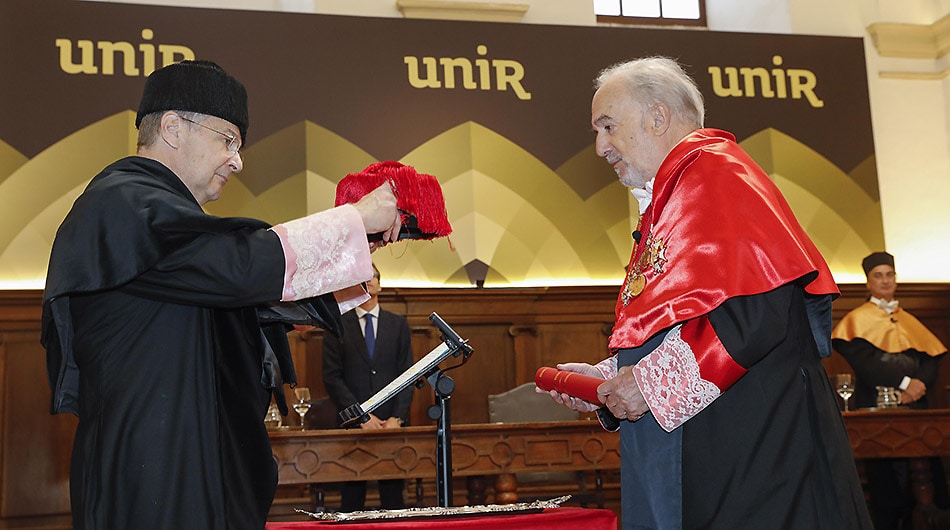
(417, 194)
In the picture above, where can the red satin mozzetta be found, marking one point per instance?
(717, 228)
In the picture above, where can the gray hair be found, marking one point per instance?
(150, 124)
(652, 80)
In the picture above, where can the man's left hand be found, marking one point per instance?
(915, 390)
(622, 396)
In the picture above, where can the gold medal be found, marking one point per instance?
(636, 284)
(645, 259)
(636, 281)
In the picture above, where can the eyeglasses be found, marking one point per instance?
(234, 143)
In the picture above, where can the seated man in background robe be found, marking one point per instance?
(887, 346)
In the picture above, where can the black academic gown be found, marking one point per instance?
(154, 340)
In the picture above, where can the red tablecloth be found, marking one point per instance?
(549, 519)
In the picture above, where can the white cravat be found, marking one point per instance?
(888, 307)
(644, 195)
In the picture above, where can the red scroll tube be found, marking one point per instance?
(572, 383)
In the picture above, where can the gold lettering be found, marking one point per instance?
(514, 78)
(448, 72)
(432, 75)
(148, 53)
(804, 82)
(66, 64)
(108, 56)
(484, 71)
(749, 75)
(172, 53)
(779, 76)
(800, 82)
(508, 73)
(718, 88)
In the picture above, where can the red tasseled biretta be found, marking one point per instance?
(418, 197)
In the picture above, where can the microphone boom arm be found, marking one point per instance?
(452, 345)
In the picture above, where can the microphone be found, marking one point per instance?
(636, 235)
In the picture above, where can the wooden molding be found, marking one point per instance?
(449, 10)
(912, 41)
(942, 35)
(914, 76)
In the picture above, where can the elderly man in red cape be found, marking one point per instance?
(726, 415)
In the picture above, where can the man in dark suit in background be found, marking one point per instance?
(376, 348)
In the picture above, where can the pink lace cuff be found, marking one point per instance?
(670, 381)
(324, 252)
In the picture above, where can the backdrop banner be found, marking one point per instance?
(498, 112)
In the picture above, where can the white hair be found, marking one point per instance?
(652, 80)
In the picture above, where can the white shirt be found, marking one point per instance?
(644, 195)
(361, 314)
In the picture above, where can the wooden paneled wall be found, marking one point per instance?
(513, 332)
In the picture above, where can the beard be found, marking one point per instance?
(632, 177)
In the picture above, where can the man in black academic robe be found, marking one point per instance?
(163, 325)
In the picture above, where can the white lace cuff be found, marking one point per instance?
(607, 367)
(324, 252)
(671, 384)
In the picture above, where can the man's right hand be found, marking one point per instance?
(373, 423)
(378, 211)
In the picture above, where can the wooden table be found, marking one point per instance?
(904, 433)
(501, 450)
(478, 450)
(899, 432)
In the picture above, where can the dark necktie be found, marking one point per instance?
(370, 334)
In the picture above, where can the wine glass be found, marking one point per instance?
(844, 386)
(302, 404)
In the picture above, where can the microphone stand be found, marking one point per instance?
(440, 412)
(428, 367)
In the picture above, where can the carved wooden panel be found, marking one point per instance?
(480, 449)
(899, 433)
